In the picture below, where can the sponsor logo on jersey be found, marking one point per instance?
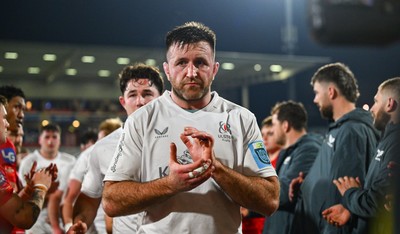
(259, 154)
(120, 147)
(379, 154)
(2, 178)
(163, 171)
(331, 141)
(8, 155)
(225, 132)
(287, 160)
(162, 133)
(185, 158)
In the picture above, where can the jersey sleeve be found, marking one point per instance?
(79, 169)
(92, 184)
(126, 162)
(256, 161)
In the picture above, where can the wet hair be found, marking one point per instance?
(341, 76)
(293, 112)
(9, 91)
(191, 33)
(141, 71)
(51, 127)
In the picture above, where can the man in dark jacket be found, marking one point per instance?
(289, 126)
(347, 150)
(366, 203)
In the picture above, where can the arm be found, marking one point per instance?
(109, 223)
(85, 209)
(23, 214)
(74, 188)
(53, 207)
(130, 197)
(255, 193)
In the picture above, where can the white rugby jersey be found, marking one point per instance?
(143, 155)
(80, 168)
(64, 163)
(92, 186)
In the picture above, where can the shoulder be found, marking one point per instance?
(67, 157)
(233, 108)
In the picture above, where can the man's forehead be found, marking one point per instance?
(136, 83)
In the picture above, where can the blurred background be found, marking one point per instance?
(66, 55)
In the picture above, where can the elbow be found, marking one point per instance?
(109, 208)
(272, 206)
(108, 203)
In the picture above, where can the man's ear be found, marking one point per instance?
(391, 105)
(332, 92)
(166, 69)
(286, 126)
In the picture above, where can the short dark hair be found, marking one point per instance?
(3, 101)
(293, 112)
(190, 33)
(51, 127)
(138, 71)
(89, 135)
(341, 76)
(391, 85)
(10, 91)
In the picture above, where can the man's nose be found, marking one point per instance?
(140, 101)
(192, 70)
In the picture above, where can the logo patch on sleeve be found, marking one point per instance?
(259, 154)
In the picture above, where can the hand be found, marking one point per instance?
(345, 183)
(41, 177)
(389, 202)
(336, 215)
(294, 186)
(201, 145)
(53, 170)
(28, 176)
(79, 227)
(186, 177)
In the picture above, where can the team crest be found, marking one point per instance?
(185, 158)
(259, 154)
(225, 132)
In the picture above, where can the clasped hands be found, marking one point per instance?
(200, 146)
(338, 215)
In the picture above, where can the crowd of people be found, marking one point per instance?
(186, 160)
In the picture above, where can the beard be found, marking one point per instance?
(381, 119)
(327, 112)
(191, 93)
(281, 139)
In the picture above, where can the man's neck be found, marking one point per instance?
(192, 104)
(341, 108)
(293, 136)
(48, 155)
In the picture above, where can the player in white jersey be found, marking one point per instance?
(49, 141)
(76, 177)
(212, 169)
(139, 84)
